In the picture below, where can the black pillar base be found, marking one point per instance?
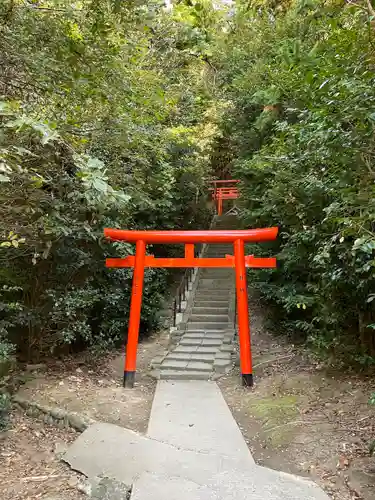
(247, 380)
(129, 379)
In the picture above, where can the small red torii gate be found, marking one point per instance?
(224, 190)
(239, 262)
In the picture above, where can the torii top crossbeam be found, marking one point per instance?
(239, 261)
(223, 236)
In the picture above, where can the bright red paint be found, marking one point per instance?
(212, 236)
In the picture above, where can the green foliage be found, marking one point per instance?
(301, 119)
(114, 114)
(102, 124)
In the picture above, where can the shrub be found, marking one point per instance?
(301, 83)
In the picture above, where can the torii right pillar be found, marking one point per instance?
(243, 314)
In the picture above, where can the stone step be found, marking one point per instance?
(211, 273)
(217, 248)
(215, 302)
(210, 310)
(220, 248)
(227, 272)
(183, 364)
(212, 343)
(217, 271)
(183, 375)
(203, 299)
(194, 334)
(212, 294)
(173, 364)
(215, 281)
(214, 288)
(196, 349)
(217, 318)
(217, 276)
(190, 365)
(191, 356)
(206, 325)
(222, 365)
(212, 334)
(219, 282)
(212, 305)
(206, 342)
(191, 342)
(199, 366)
(215, 284)
(184, 349)
(209, 349)
(209, 333)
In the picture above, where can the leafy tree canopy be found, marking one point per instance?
(115, 113)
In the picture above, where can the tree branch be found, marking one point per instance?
(370, 8)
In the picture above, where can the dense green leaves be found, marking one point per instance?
(102, 123)
(301, 85)
(108, 114)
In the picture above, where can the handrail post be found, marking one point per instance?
(135, 314)
(243, 313)
(174, 311)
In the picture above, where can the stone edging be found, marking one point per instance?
(53, 416)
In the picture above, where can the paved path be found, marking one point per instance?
(202, 422)
(193, 451)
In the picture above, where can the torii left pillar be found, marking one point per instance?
(135, 314)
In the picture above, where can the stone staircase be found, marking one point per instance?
(201, 347)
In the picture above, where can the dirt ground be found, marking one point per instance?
(92, 387)
(30, 467)
(30, 451)
(303, 418)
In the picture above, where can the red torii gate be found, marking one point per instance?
(239, 261)
(224, 190)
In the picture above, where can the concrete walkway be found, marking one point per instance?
(202, 422)
(193, 450)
